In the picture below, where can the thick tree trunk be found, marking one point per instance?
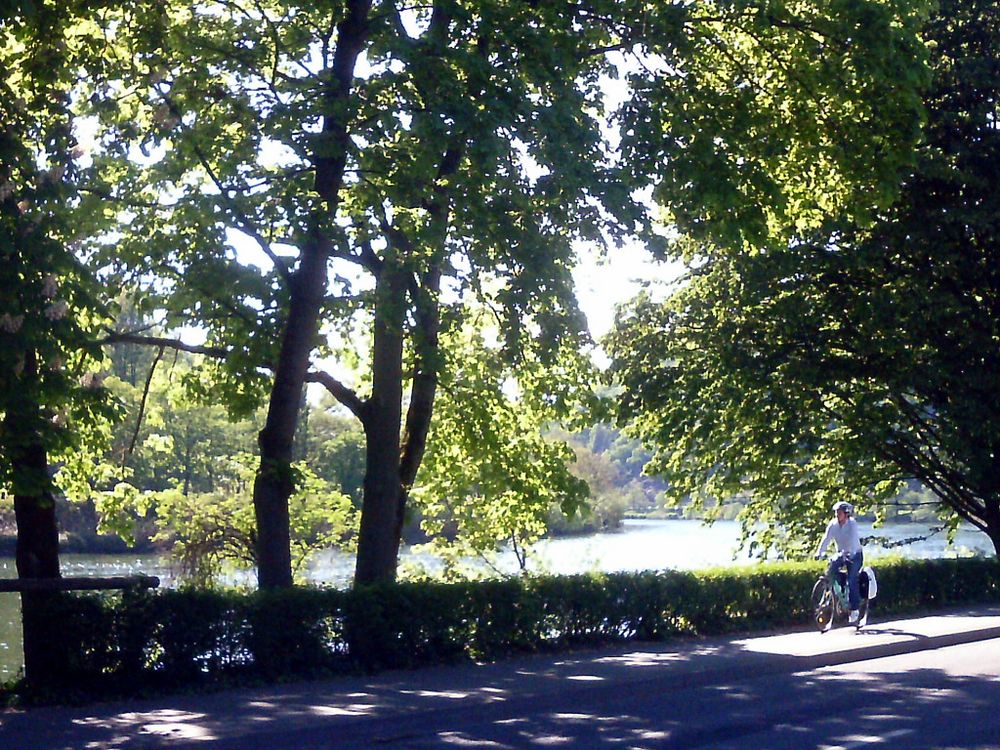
(992, 517)
(392, 464)
(37, 553)
(307, 287)
(384, 495)
(37, 535)
(273, 484)
(38, 557)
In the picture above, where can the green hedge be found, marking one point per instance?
(127, 643)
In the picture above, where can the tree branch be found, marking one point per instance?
(128, 337)
(142, 409)
(346, 396)
(243, 222)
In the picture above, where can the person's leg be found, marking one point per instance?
(833, 569)
(854, 563)
(835, 575)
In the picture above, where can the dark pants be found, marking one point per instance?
(854, 563)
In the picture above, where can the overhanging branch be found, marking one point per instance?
(129, 337)
(339, 391)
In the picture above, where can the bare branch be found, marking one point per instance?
(128, 337)
(346, 396)
(142, 409)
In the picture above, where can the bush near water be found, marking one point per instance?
(127, 643)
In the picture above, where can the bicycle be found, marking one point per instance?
(830, 602)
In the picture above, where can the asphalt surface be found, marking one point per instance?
(920, 682)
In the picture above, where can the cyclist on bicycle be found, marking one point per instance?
(843, 530)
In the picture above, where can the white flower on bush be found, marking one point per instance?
(50, 285)
(57, 310)
(11, 323)
(91, 380)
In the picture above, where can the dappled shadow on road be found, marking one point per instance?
(928, 707)
(713, 694)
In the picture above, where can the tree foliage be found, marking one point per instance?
(409, 173)
(212, 533)
(387, 164)
(762, 119)
(491, 474)
(858, 355)
(168, 438)
(179, 473)
(49, 308)
(49, 394)
(335, 448)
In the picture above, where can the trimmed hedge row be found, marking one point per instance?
(124, 643)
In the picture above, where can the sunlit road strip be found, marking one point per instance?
(866, 741)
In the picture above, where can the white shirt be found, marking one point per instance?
(847, 537)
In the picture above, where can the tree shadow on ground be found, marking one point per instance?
(712, 695)
(828, 708)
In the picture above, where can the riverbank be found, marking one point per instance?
(640, 544)
(195, 638)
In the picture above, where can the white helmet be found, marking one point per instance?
(844, 506)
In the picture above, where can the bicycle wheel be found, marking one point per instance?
(822, 604)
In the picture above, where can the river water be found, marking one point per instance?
(640, 545)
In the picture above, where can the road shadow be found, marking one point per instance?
(873, 631)
(833, 708)
(697, 694)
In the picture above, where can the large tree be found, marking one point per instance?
(49, 393)
(387, 161)
(855, 357)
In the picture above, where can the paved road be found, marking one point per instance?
(931, 682)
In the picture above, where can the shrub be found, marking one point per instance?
(121, 643)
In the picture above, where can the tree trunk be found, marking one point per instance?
(274, 484)
(992, 517)
(384, 495)
(37, 534)
(307, 287)
(392, 465)
(37, 557)
(37, 552)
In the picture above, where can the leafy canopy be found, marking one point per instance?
(476, 150)
(491, 474)
(50, 395)
(854, 357)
